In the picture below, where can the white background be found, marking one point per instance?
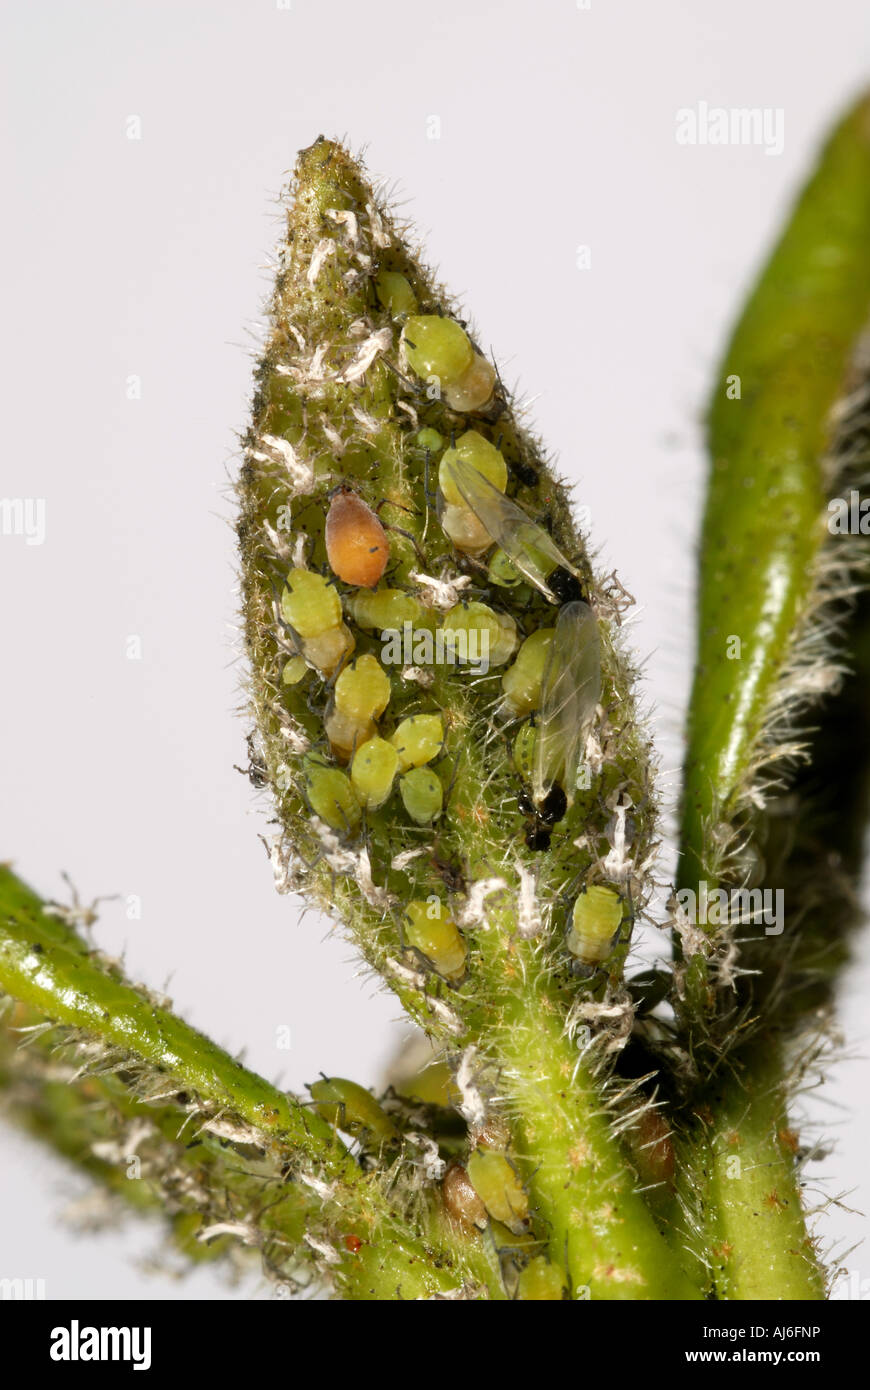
(147, 257)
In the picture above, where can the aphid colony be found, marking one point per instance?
(482, 1192)
(550, 689)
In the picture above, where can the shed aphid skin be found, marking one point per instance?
(528, 547)
(356, 543)
(461, 1202)
(596, 918)
(570, 691)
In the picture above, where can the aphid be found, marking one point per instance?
(311, 609)
(541, 1281)
(352, 1108)
(394, 292)
(362, 693)
(461, 1202)
(385, 609)
(523, 681)
(330, 794)
(597, 916)
(422, 794)
(329, 650)
(430, 929)
(473, 389)
(475, 633)
(430, 439)
(436, 346)
(294, 669)
(570, 691)
(418, 739)
(374, 767)
(309, 604)
(356, 543)
(363, 690)
(472, 451)
(527, 545)
(499, 1188)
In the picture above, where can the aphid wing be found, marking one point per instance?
(570, 692)
(524, 542)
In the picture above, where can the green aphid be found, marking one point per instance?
(374, 767)
(598, 914)
(475, 633)
(437, 346)
(394, 292)
(471, 452)
(499, 1188)
(422, 794)
(309, 604)
(294, 669)
(502, 571)
(430, 929)
(386, 610)
(542, 1281)
(352, 1108)
(330, 795)
(418, 739)
(430, 439)
(570, 691)
(522, 682)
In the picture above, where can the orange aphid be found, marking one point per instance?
(356, 542)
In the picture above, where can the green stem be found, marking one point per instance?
(46, 966)
(580, 1183)
(764, 521)
(758, 1243)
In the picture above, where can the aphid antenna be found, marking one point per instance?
(452, 782)
(421, 554)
